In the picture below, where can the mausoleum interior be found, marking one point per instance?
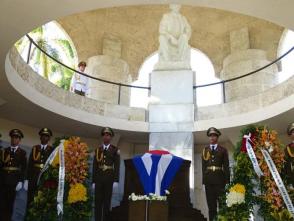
(120, 42)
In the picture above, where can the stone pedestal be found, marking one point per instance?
(171, 108)
(171, 114)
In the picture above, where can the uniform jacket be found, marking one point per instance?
(110, 158)
(15, 159)
(37, 157)
(217, 158)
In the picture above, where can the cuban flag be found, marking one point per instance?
(156, 170)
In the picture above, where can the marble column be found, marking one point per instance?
(171, 115)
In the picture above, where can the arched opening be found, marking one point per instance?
(55, 41)
(287, 65)
(204, 74)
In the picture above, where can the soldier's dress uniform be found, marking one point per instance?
(289, 159)
(105, 171)
(37, 159)
(14, 163)
(215, 173)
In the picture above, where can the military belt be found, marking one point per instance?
(39, 165)
(105, 167)
(11, 168)
(214, 168)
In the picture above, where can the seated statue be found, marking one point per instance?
(174, 34)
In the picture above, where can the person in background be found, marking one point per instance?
(105, 174)
(80, 83)
(12, 174)
(215, 170)
(37, 160)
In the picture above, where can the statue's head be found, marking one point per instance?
(175, 7)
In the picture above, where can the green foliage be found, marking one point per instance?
(45, 65)
(66, 79)
(66, 46)
(43, 207)
(58, 139)
(244, 131)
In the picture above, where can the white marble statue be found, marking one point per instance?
(174, 35)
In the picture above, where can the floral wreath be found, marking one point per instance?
(246, 188)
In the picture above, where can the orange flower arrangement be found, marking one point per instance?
(76, 165)
(268, 139)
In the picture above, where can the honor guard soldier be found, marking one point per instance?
(12, 173)
(215, 171)
(289, 157)
(105, 174)
(80, 83)
(37, 159)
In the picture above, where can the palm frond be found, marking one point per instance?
(65, 44)
(44, 44)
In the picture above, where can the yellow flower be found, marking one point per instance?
(239, 188)
(77, 192)
(55, 162)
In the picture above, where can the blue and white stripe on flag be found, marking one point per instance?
(156, 172)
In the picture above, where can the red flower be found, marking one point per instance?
(243, 146)
(50, 184)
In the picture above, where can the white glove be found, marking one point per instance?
(18, 186)
(115, 185)
(26, 185)
(203, 187)
(93, 186)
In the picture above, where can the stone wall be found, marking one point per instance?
(222, 115)
(67, 98)
(137, 27)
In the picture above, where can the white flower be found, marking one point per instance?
(151, 196)
(133, 197)
(235, 198)
(267, 144)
